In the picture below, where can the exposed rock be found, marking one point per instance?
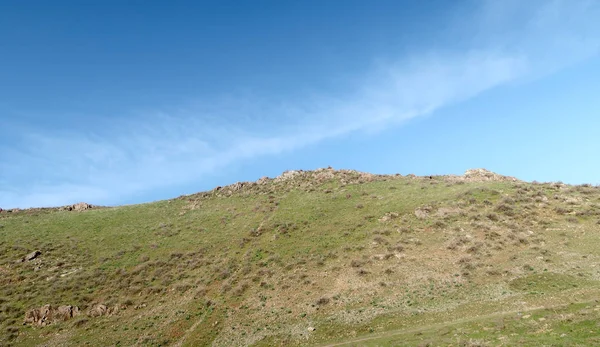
(49, 314)
(485, 175)
(81, 206)
(98, 310)
(313, 180)
(237, 186)
(263, 180)
(423, 212)
(287, 175)
(311, 329)
(66, 312)
(78, 207)
(321, 175)
(33, 316)
(388, 217)
(479, 175)
(115, 309)
(31, 256)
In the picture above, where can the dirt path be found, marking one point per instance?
(189, 331)
(586, 296)
(433, 326)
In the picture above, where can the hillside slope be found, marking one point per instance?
(324, 257)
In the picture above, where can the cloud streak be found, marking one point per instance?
(181, 146)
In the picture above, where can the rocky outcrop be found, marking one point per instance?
(294, 179)
(98, 310)
(288, 175)
(423, 212)
(78, 207)
(485, 175)
(313, 180)
(49, 314)
(66, 312)
(477, 175)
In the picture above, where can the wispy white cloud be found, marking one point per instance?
(508, 41)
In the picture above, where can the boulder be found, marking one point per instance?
(115, 309)
(31, 256)
(32, 316)
(78, 207)
(82, 206)
(423, 212)
(98, 310)
(66, 312)
(49, 314)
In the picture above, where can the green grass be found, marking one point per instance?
(353, 255)
(568, 325)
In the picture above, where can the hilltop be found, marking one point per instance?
(324, 257)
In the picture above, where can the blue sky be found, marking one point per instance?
(118, 102)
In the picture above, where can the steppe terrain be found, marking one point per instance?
(325, 257)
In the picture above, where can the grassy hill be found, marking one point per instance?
(313, 258)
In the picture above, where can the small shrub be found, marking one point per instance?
(225, 273)
(323, 301)
(439, 224)
(80, 321)
(506, 209)
(380, 240)
(475, 248)
(356, 263)
(225, 287)
(396, 248)
(182, 288)
(572, 220)
(493, 217)
(239, 290)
